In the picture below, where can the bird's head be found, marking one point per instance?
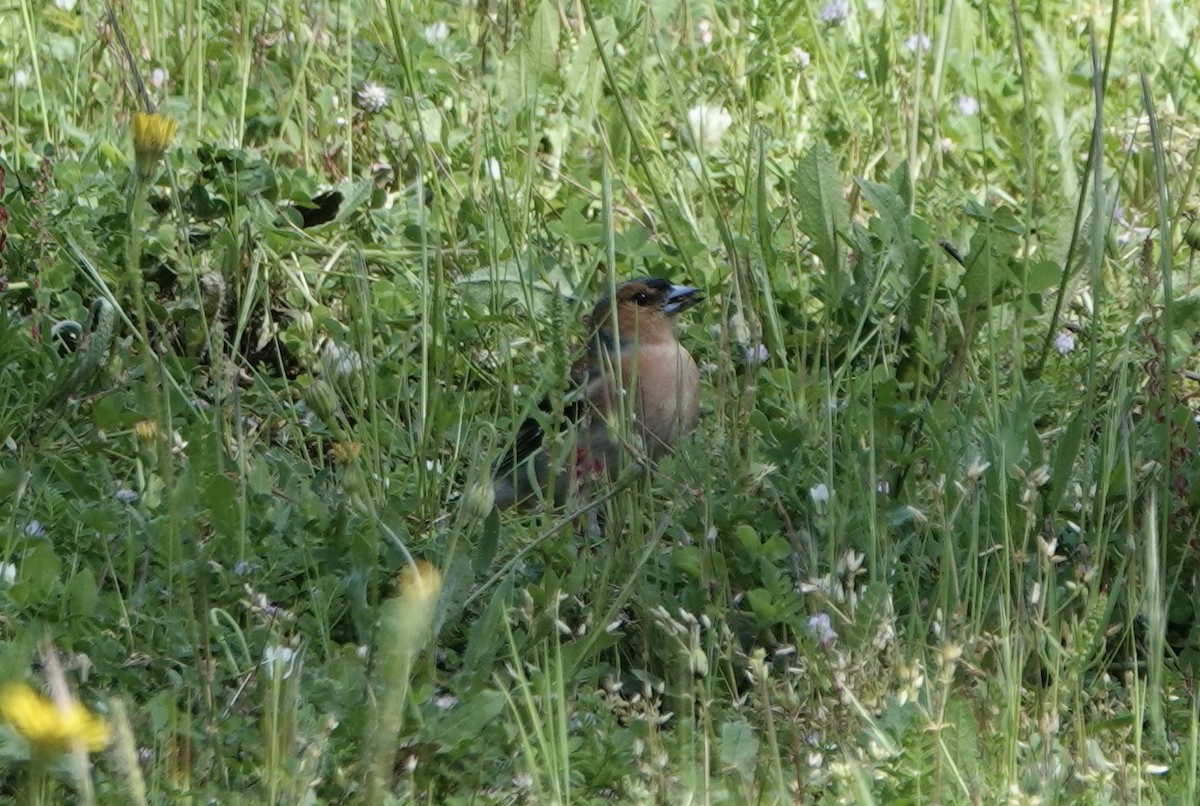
(643, 312)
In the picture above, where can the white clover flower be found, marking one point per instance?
(861, 75)
(373, 97)
(158, 77)
(8, 573)
(66, 5)
(1064, 342)
(835, 12)
(801, 57)
(280, 661)
(707, 125)
(21, 77)
(437, 33)
(126, 495)
(819, 493)
(967, 105)
(917, 43)
(704, 32)
(340, 361)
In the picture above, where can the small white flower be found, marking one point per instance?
(861, 75)
(704, 32)
(445, 701)
(35, 529)
(126, 495)
(21, 77)
(437, 33)
(339, 121)
(917, 43)
(835, 12)
(801, 57)
(707, 125)
(1064, 342)
(158, 77)
(66, 5)
(822, 628)
(8, 573)
(340, 361)
(757, 354)
(493, 168)
(819, 493)
(280, 661)
(372, 97)
(967, 105)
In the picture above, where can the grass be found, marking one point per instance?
(934, 540)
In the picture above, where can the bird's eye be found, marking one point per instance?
(641, 298)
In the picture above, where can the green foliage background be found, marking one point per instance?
(934, 539)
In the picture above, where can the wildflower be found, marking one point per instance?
(801, 57)
(480, 498)
(66, 5)
(861, 75)
(21, 78)
(1064, 342)
(48, 726)
(152, 134)
(493, 168)
(158, 77)
(917, 43)
(437, 33)
(279, 661)
(8, 573)
(835, 12)
(757, 354)
(420, 585)
(372, 97)
(126, 495)
(822, 628)
(967, 105)
(819, 493)
(146, 430)
(346, 451)
(704, 32)
(35, 529)
(340, 361)
(707, 125)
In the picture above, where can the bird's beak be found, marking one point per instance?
(680, 298)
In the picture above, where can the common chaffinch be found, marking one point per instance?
(636, 335)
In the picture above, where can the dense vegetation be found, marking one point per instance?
(935, 538)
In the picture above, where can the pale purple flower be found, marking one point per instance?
(967, 105)
(822, 627)
(1064, 342)
(801, 57)
(917, 43)
(835, 12)
(758, 354)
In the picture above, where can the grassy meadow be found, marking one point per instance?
(935, 539)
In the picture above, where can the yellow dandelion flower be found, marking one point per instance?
(152, 134)
(146, 430)
(49, 727)
(347, 451)
(412, 612)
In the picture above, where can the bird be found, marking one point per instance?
(632, 354)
